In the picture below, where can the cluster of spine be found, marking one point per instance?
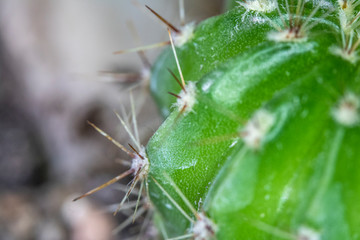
(349, 24)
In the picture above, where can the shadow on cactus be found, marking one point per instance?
(262, 134)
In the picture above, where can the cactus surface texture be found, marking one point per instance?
(263, 140)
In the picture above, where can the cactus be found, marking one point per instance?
(262, 140)
(262, 130)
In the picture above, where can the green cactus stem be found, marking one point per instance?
(268, 149)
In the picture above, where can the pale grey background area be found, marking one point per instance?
(51, 53)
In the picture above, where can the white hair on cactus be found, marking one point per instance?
(306, 233)
(257, 7)
(187, 98)
(256, 128)
(263, 6)
(347, 55)
(140, 164)
(347, 110)
(287, 35)
(349, 23)
(346, 15)
(324, 4)
(347, 7)
(204, 228)
(186, 33)
(295, 25)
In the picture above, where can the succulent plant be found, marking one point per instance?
(262, 126)
(261, 139)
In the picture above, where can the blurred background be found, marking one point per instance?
(57, 71)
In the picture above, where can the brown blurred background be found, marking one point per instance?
(57, 71)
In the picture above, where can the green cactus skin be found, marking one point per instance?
(270, 148)
(214, 42)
